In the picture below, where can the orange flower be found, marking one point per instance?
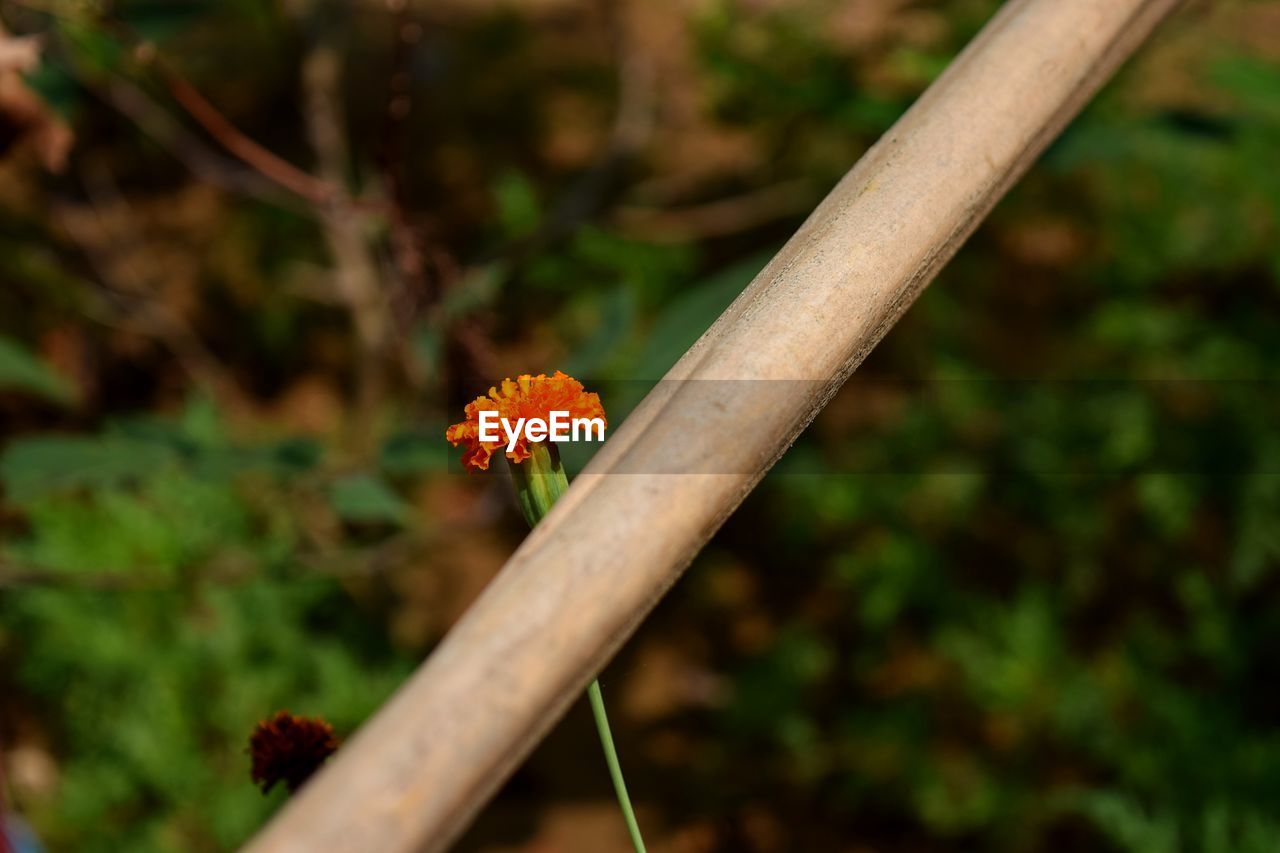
(525, 397)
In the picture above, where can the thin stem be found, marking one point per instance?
(540, 481)
(615, 768)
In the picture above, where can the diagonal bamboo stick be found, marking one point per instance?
(421, 768)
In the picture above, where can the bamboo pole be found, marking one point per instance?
(414, 776)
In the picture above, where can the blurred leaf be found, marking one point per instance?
(21, 370)
(168, 521)
(156, 20)
(55, 87)
(426, 345)
(201, 421)
(518, 210)
(1251, 82)
(1169, 500)
(34, 467)
(1257, 543)
(683, 321)
(617, 317)
(367, 499)
(90, 42)
(478, 288)
(415, 451)
(1131, 826)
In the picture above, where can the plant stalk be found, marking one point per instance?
(615, 768)
(540, 481)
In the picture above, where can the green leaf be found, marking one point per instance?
(21, 370)
(415, 451)
(518, 208)
(687, 318)
(157, 20)
(56, 87)
(1251, 82)
(477, 290)
(366, 498)
(617, 315)
(35, 467)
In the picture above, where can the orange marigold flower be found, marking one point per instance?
(524, 397)
(289, 749)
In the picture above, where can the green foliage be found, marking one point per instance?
(161, 689)
(51, 464)
(178, 616)
(1011, 592)
(1037, 600)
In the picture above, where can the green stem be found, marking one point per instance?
(540, 481)
(615, 769)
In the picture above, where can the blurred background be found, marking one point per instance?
(1015, 590)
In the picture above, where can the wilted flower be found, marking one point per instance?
(289, 749)
(526, 397)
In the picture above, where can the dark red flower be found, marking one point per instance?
(289, 749)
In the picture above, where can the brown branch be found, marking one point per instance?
(253, 154)
(282, 172)
(323, 192)
(185, 147)
(422, 271)
(355, 265)
(407, 252)
(719, 218)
